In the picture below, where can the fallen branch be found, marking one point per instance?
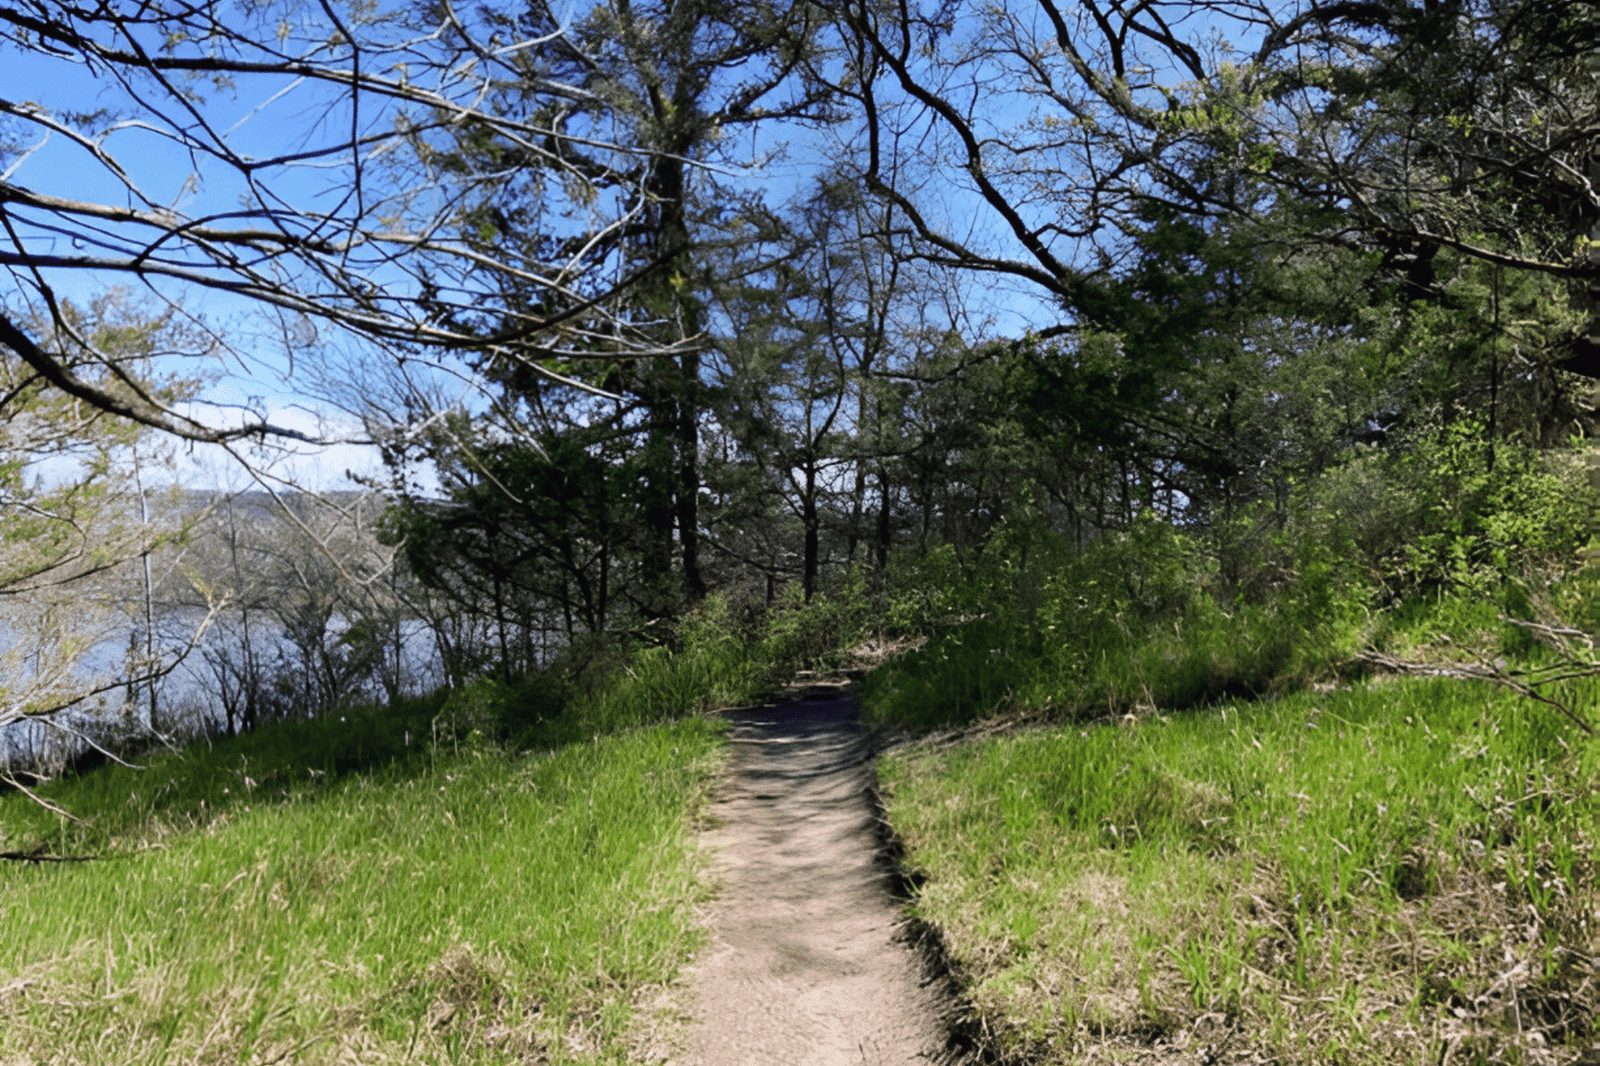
(11, 780)
(38, 856)
(1523, 682)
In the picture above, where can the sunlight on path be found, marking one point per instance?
(804, 968)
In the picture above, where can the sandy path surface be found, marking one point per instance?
(805, 968)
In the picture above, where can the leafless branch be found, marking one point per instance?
(1525, 683)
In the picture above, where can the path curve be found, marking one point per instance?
(805, 966)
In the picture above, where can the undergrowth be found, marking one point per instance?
(723, 655)
(1175, 813)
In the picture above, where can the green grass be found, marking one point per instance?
(659, 682)
(718, 659)
(1344, 876)
(1054, 659)
(502, 873)
(446, 900)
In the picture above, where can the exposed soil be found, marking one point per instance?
(808, 965)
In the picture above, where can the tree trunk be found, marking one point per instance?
(884, 522)
(808, 517)
(689, 472)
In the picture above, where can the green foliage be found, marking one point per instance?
(530, 712)
(667, 683)
(709, 665)
(1222, 361)
(722, 657)
(927, 589)
(1137, 620)
(1453, 512)
(526, 533)
(1482, 523)
(795, 635)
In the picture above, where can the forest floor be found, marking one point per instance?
(808, 964)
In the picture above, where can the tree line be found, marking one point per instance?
(1271, 274)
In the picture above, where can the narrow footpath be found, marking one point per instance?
(805, 967)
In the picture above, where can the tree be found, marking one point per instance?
(1461, 125)
(1254, 236)
(316, 616)
(784, 377)
(346, 222)
(826, 331)
(670, 83)
(489, 198)
(1223, 363)
(76, 520)
(530, 541)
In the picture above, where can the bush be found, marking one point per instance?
(795, 635)
(1439, 516)
(524, 713)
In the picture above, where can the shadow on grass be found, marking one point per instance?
(281, 763)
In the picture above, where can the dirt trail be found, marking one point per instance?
(805, 968)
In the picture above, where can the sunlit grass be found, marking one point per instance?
(460, 904)
(1346, 875)
(718, 660)
(502, 873)
(1050, 660)
(660, 682)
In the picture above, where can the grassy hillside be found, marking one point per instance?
(1176, 814)
(1385, 871)
(400, 887)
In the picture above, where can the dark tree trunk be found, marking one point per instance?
(808, 517)
(689, 476)
(884, 519)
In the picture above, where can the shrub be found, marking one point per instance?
(1439, 515)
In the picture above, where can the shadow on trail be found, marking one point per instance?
(806, 966)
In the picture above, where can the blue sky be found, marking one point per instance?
(258, 374)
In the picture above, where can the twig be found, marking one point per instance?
(1497, 675)
(71, 732)
(1553, 635)
(10, 779)
(25, 856)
